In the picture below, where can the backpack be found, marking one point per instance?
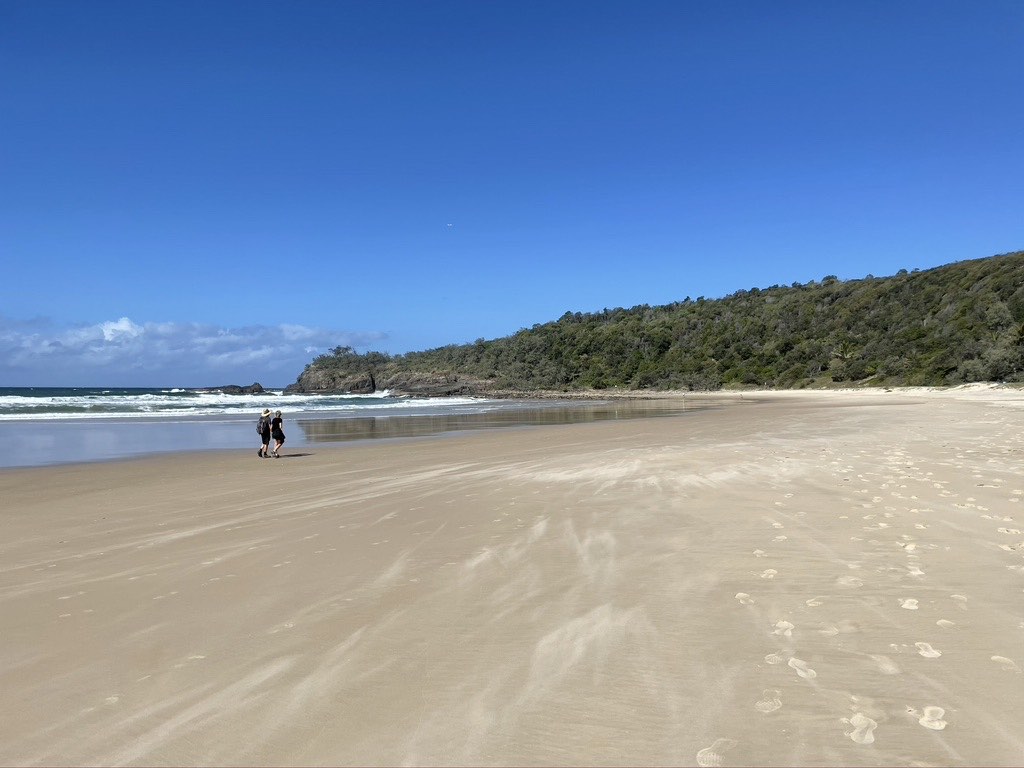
(261, 425)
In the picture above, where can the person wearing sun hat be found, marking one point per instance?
(263, 427)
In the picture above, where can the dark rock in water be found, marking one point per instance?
(234, 389)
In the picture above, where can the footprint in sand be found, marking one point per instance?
(926, 650)
(783, 628)
(760, 553)
(909, 603)
(814, 602)
(744, 598)
(802, 669)
(1009, 665)
(863, 728)
(932, 718)
(712, 756)
(774, 658)
(945, 623)
(850, 581)
(770, 573)
(770, 701)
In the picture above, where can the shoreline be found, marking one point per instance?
(800, 578)
(53, 442)
(45, 442)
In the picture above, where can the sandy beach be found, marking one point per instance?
(806, 578)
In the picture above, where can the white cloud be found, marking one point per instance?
(297, 332)
(120, 329)
(128, 353)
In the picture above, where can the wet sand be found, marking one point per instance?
(50, 442)
(796, 579)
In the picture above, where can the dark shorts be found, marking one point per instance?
(265, 437)
(279, 436)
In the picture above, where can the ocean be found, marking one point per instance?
(46, 425)
(57, 404)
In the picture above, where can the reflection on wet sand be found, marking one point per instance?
(398, 426)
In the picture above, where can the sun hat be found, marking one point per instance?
(266, 412)
(278, 413)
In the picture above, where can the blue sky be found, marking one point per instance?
(202, 193)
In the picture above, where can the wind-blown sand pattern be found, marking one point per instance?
(795, 579)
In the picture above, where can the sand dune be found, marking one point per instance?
(795, 579)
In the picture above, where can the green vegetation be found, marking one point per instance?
(959, 323)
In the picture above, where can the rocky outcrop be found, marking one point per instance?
(324, 383)
(404, 384)
(433, 385)
(234, 389)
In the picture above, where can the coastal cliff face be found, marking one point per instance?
(316, 381)
(434, 385)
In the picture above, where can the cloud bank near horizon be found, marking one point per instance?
(124, 352)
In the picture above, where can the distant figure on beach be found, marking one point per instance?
(277, 430)
(263, 427)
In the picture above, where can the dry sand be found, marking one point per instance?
(796, 579)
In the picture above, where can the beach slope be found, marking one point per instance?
(791, 579)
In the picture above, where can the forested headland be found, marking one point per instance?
(963, 322)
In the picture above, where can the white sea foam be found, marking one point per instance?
(181, 403)
(55, 426)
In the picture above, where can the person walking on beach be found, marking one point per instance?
(263, 427)
(277, 431)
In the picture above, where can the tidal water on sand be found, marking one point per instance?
(44, 426)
